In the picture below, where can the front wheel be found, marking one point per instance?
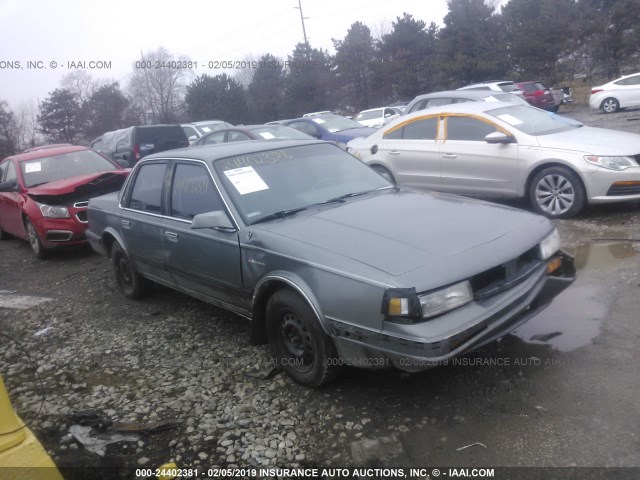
(557, 192)
(298, 342)
(610, 105)
(34, 241)
(130, 282)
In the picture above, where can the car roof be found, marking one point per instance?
(474, 94)
(47, 151)
(223, 150)
(204, 122)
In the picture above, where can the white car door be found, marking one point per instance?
(628, 91)
(412, 152)
(472, 166)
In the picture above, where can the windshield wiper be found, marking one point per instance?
(342, 198)
(280, 214)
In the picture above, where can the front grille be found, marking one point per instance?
(501, 278)
(82, 216)
(620, 190)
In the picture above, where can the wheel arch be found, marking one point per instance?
(553, 163)
(265, 289)
(376, 163)
(109, 236)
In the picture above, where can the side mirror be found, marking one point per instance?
(192, 138)
(387, 115)
(10, 186)
(498, 137)
(217, 220)
(123, 163)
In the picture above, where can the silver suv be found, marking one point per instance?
(495, 85)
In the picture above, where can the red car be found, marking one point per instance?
(44, 194)
(538, 95)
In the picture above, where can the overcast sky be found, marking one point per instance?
(116, 31)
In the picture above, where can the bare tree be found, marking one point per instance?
(244, 75)
(26, 125)
(157, 85)
(81, 83)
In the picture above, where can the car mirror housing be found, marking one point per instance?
(217, 220)
(498, 137)
(123, 163)
(10, 186)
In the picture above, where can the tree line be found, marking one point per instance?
(556, 41)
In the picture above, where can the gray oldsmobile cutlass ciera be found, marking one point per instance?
(332, 264)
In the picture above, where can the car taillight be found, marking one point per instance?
(136, 152)
(538, 93)
(595, 90)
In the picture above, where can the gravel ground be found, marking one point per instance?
(173, 358)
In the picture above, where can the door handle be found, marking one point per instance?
(449, 155)
(171, 236)
(125, 223)
(394, 152)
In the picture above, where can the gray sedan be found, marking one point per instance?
(504, 150)
(332, 264)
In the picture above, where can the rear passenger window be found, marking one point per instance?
(423, 129)
(146, 194)
(468, 129)
(192, 192)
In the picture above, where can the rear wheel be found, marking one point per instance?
(557, 192)
(610, 105)
(298, 342)
(384, 172)
(130, 282)
(34, 240)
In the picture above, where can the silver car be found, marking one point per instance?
(332, 264)
(505, 150)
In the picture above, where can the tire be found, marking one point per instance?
(4, 235)
(557, 192)
(131, 283)
(34, 240)
(384, 172)
(610, 105)
(298, 342)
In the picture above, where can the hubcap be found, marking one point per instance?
(609, 106)
(33, 238)
(296, 338)
(125, 270)
(555, 194)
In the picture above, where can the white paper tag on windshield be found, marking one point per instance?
(246, 180)
(510, 119)
(267, 135)
(206, 129)
(319, 121)
(32, 167)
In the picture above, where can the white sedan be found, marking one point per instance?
(620, 93)
(505, 150)
(376, 117)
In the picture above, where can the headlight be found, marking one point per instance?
(53, 212)
(442, 301)
(611, 163)
(404, 303)
(550, 244)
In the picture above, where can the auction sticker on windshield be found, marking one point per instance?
(32, 167)
(246, 180)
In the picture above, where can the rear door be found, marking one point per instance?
(412, 152)
(204, 261)
(472, 166)
(141, 223)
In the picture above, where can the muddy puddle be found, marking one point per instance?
(575, 317)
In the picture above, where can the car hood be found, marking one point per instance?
(592, 140)
(81, 187)
(348, 135)
(403, 233)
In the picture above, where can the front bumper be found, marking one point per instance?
(54, 232)
(416, 348)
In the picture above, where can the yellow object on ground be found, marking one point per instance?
(22, 456)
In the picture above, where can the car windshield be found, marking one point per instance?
(282, 132)
(336, 123)
(530, 120)
(507, 98)
(212, 127)
(65, 165)
(370, 115)
(276, 182)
